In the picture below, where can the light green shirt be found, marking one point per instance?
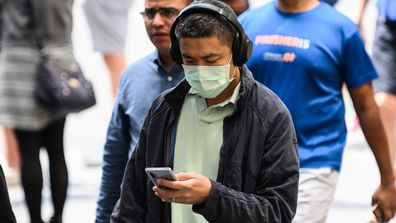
(199, 137)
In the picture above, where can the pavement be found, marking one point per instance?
(85, 136)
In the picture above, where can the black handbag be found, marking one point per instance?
(59, 90)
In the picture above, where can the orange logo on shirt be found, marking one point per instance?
(289, 57)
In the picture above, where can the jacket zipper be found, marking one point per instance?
(226, 158)
(167, 142)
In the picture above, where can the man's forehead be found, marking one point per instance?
(166, 3)
(203, 47)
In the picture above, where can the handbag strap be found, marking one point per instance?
(37, 35)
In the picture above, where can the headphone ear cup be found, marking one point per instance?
(236, 50)
(246, 49)
(241, 49)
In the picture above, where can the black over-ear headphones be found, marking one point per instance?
(241, 44)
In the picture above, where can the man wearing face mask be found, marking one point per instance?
(229, 139)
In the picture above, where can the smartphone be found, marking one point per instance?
(155, 173)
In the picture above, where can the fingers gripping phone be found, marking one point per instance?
(156, 173)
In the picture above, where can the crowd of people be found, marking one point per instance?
(244, 105)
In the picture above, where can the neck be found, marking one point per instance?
(227, 93)
(166, 59)
(295, 6)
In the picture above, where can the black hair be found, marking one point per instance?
(198, 25)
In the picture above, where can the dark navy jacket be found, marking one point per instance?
(258, 172)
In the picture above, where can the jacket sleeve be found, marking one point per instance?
(275, 198)
(132, 207)
(115, 158)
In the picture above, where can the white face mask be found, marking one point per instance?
(208, 81)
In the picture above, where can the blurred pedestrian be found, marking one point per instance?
(25, 23)
(384, 57)
(6, 213)
(10, 147)
(307, 68)
(140, 84)
(229, 139)
(108, 21)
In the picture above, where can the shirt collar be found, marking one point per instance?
(233, 99)
(176, 68)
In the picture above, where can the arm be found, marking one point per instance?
(132, 207)
(361, 8)
(115, 158)
(275, 196)
(368, 113)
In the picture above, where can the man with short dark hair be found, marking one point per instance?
(229, 139)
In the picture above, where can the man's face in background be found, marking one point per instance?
(158, 18)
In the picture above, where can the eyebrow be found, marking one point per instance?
(204, 57)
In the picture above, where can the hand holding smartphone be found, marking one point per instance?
(156, 173)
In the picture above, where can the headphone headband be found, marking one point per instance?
(241, 46)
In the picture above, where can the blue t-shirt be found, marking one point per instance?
(305, 58)
(387, 9)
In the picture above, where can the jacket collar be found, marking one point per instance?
(175, 97)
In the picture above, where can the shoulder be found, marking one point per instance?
(270, 112)
(143, 64)
(264, 102)
(170, 99)
(337, 21)
(267, 102)
(134, 71)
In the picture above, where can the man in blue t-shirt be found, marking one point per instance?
(384, 57)
(305, 51)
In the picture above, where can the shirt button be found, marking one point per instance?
(202, 108)
(170, 78)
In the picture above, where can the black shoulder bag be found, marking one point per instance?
(59, 90)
